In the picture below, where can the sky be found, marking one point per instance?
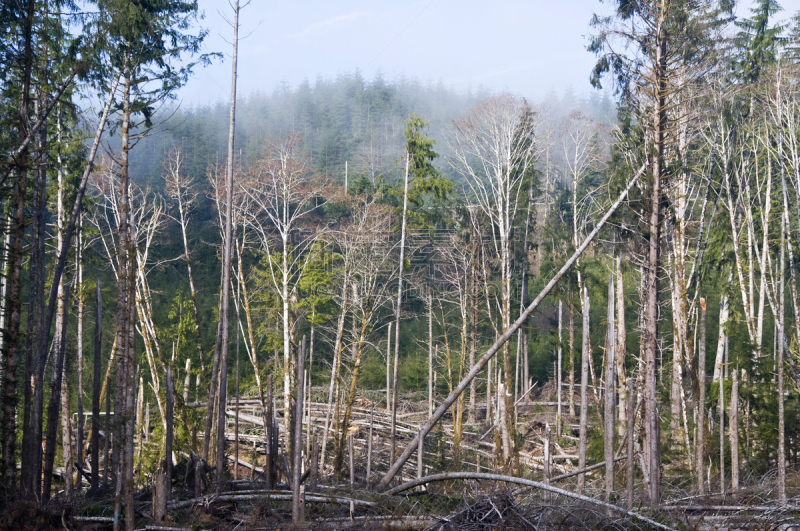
(528, 47)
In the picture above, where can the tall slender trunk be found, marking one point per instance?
(66, 425)
(620, 349)
(734, 430)
(585, 353)
(227, 257)
(473, 336)
(610, 398)
(781, 399)
(701, 402)
(81, 303)
(430, 353)
(31, 453)
(13, 307)
(98, 342)
(571, 346)
(721, 412)
(126, 321)
(53, 407)
(297, 457)
(558, 370)
(393, 449)
(653, 261)
(335, 367)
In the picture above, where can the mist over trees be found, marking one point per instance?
(209, 312)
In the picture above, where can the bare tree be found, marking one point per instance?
(284, 194)
(493, 148)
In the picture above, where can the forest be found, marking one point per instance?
(384, 303)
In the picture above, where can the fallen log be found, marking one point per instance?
(730, 508)
(267, 495)
(528, 483)
(503, 339)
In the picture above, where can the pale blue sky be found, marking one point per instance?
(529, 47)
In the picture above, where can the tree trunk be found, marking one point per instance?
(393, 442)
(571, 309)
(13, 306)
(610, 398)
(558, 371)
(701, 402)
(81, 301)
(721, 408)
(297, 461)
(620, 349)
(585, 353)
(169, 436)
(473, 338)
(55, 392)
(631, 462)
(388, 369)
(98, 339)
(33, 465)
(430, 354)
(227, 257)
(780, 362)
(652, 262)
(734, 431)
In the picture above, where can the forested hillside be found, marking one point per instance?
(209, 312)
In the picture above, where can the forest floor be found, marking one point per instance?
(244, 503)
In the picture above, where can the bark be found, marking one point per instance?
(701, 409)
(721, 411)
(369, 444)
(36, 267)
(780, 362)
(66, 434)
(420, 452)
(653, 259)
(53, 407)
(297, 461)
(81, 302)
(338, 347)
(610, 398)
(430, 354)
(620, 349)
(98, 339)
(558, 371)
(13, 306)
(585, 353)
(388, 369)
(269, 427)
(473, 334)
(571, 360)
(734, 431)
(168, 438)
(631, 464)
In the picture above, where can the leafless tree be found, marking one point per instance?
(494, 149)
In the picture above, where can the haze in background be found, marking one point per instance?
(529, 47)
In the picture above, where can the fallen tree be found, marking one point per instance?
(449, 476)
(494, 349)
